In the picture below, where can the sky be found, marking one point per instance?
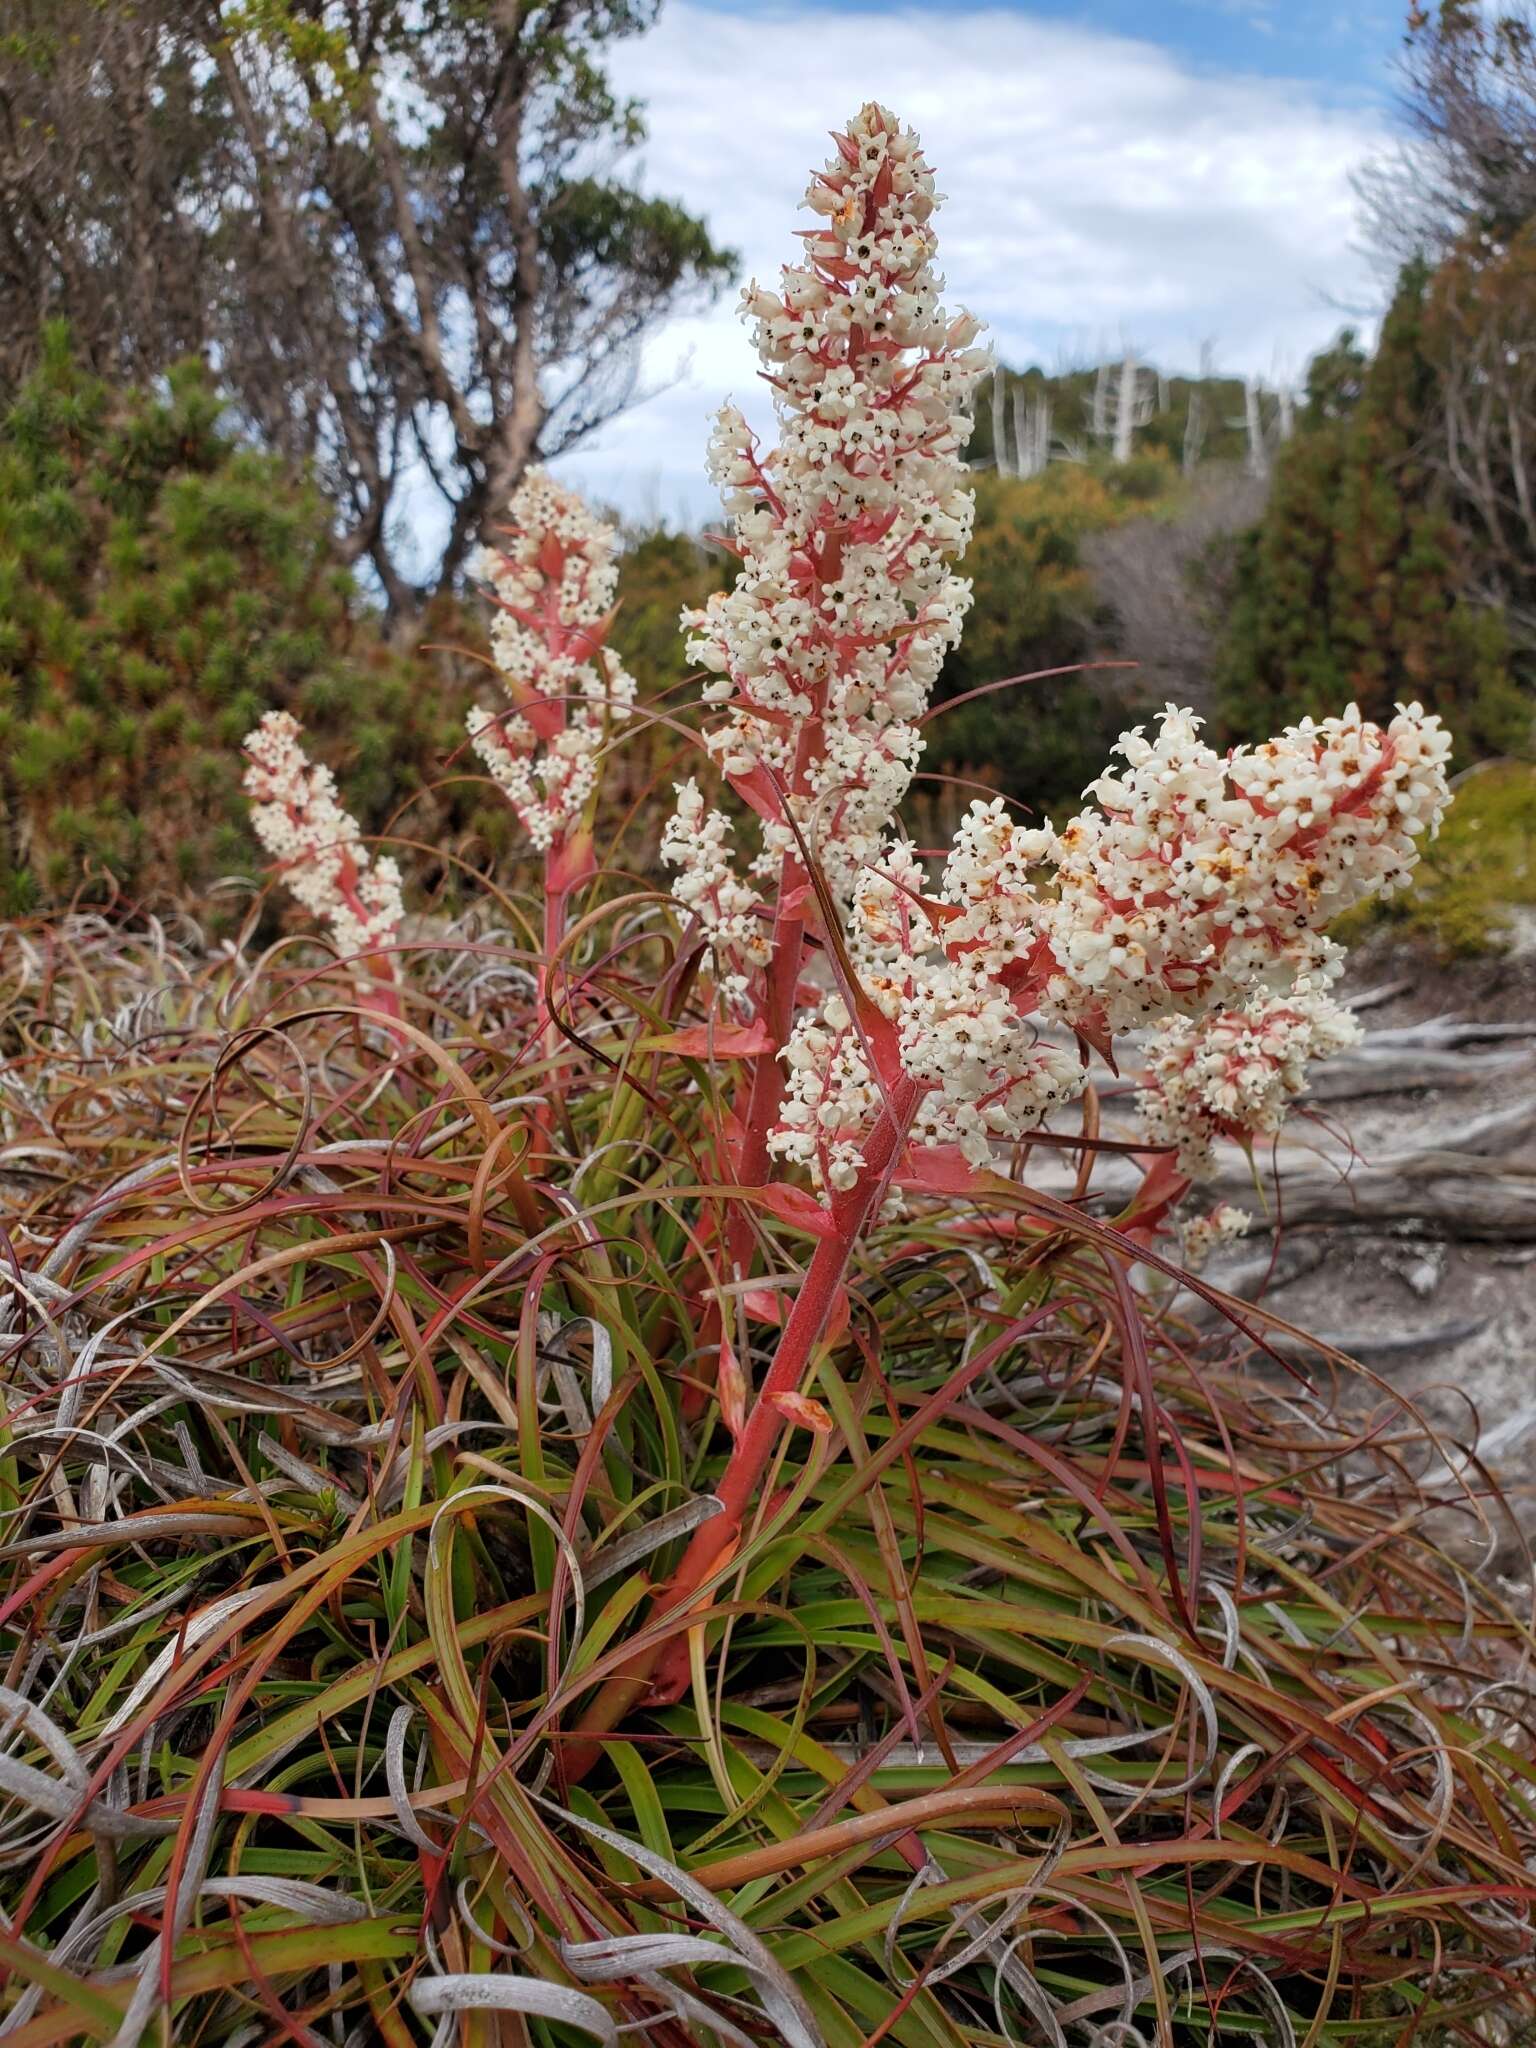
(1144, 173)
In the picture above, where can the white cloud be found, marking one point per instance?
(1099, 190)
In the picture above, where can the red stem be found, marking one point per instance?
(384, 995)
(764, 1097)
(782, 981)
(661, 1672)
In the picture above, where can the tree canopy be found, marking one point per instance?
(394, 230)
(1356, 584)
(1467, 78)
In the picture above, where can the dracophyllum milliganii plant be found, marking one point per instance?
(1192, 900)
(898, 1028)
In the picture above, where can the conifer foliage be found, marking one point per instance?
(1355, 584)
(160, 588)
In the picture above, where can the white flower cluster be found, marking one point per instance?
(697, 843)
(554, 582)
(1206, 1234)
(1198, 883)
(987, 1075)
(1198, 890)
(1235, 1073)
(317, 844)
(1201, 878)
(826, 648)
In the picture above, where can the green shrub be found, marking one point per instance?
(1353, 585)
(160, 587)
(1035, 608)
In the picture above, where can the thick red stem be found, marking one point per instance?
(661, 1673)
(781, 982)
(764, 1097)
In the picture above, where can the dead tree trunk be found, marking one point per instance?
(1195, 418)
(1253, 421)
(1126, 409)
(1000, 420)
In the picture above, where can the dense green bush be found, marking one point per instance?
(1353, 585)
(160, 587)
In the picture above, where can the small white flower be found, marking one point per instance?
(1224, 1225)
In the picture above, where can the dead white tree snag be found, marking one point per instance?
(1253, 425)
(1196, 419)
(1482, 1186)
(1099, 424)
(1122, 402)
(1000, 420)
(1024, 462)
(1132, 408)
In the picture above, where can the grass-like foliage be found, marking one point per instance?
(618, 1470)
(1073, 1674)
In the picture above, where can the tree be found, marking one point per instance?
(1468, 78)
(1461, 196)
(393, 227)
(1124, 399)
(1354, 585)
(1335, 380)
(160, 588)
(1480, 335)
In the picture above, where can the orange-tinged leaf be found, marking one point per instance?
(764, 1305)
(805, 1413)
(937, 1170)
(714, 1041)
(551, 557)
(760, 792)
(795, 1207)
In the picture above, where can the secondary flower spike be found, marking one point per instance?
(697, 842)
(1201, 886)
(553, 579)
(1201, 878)
(1236, 1073)
(824, 651)
(317, 845)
